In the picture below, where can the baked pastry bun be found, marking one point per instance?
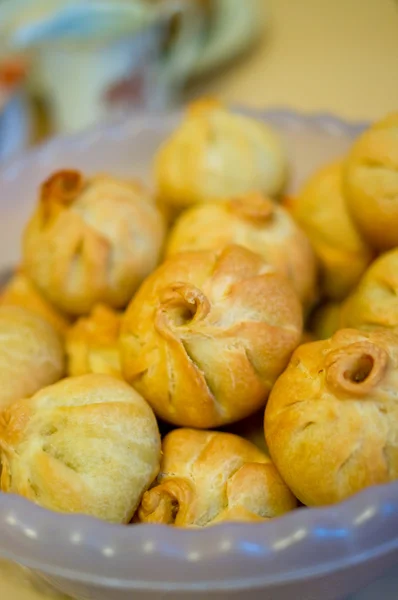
(86, 445)
(371, 183)
(374, 302)
(215, 154)
(92, 343)
(207, 334)
(325, 321)
(257, 223)
(31, 354)
(91, 240)
(321, 211)
(332, 417)
(208, 476)
(20, 291)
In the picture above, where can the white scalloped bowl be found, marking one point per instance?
(308, 554)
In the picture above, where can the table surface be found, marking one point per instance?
(336, 56)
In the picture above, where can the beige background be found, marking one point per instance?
(320, 55)
(337, 56)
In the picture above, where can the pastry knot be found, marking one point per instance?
(60, 190)
(257, 223)
(333, 415)
(356, 369)
(180, 304)
(207, 334)
(209, 476)
(254, 206)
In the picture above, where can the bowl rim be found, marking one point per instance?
(141, 119)
(360, 512)
(357, 530)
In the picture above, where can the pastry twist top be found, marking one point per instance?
(207, 335)
(333, 415)
(257, 223)
(207, 477)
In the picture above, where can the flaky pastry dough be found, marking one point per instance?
(92, 343)
(207, 334)
(257, 223)
(374, 302)
(86, 445)
(91, 240)
(20, 291)
(207, 477)
(332, 417)
(31, 354)
(371, 183)
(320, 209)
(215, 154)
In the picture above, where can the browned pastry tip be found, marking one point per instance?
(168, 503)
(255, 222)
(61, 188)
(91, 240)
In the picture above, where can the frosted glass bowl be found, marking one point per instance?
(308, 554)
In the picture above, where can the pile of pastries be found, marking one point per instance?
(144, 333)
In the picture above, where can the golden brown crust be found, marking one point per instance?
(332, 416)
(374, 302)
(257, 223)
(207, 477)
(31, 354)
(91, 240)
(87, 445)
(320, 209)
(371, 183)
(207, 334)
(20, 291)
(60, 190)
(92, 343)
(216, 154)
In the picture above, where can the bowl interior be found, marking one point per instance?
(303, 543)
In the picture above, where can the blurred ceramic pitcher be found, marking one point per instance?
(94, 60)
